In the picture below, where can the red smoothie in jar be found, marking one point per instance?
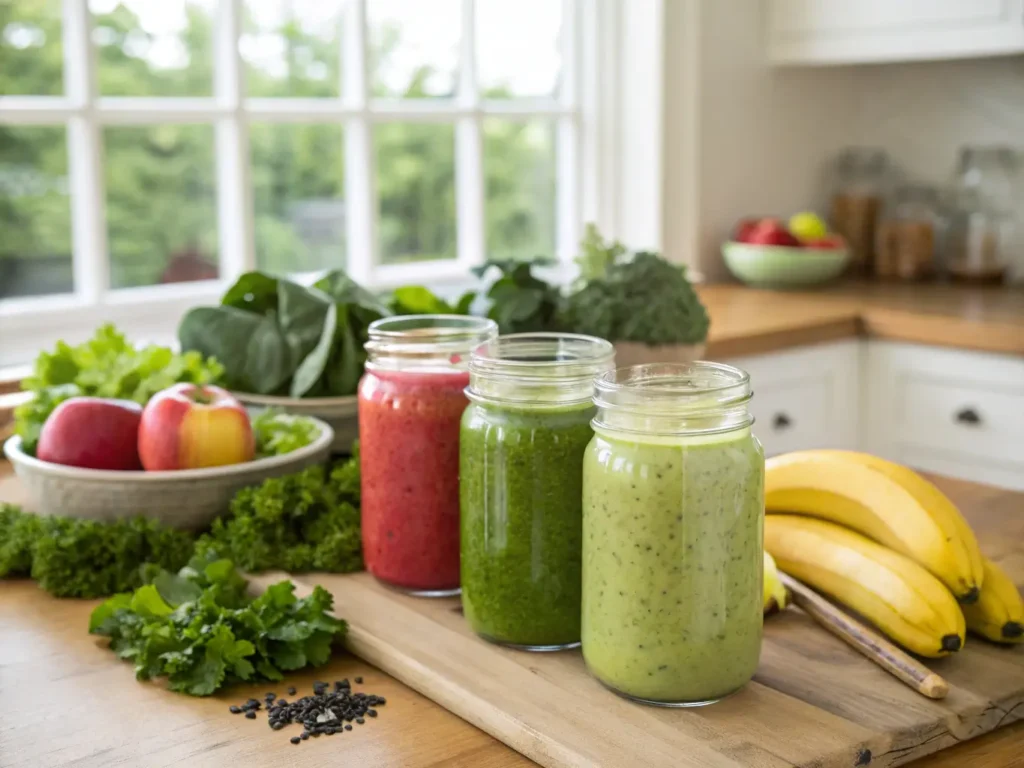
(411, 401)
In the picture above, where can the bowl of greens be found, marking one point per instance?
(182, 498)
(294, 347)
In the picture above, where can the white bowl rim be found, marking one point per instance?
(253, 399)
(13, 451)
(736, 245)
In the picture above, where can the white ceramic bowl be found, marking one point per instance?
(184, 498)
(342, 413)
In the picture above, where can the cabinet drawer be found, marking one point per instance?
(950, 411)
(806, 397)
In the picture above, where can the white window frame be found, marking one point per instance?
(608, 118)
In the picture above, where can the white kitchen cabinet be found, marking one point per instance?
(948, 411)
(806, 397)
(855, 31)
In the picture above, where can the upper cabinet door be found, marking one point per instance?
(853, 31)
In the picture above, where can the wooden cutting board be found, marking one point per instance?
(814, 701)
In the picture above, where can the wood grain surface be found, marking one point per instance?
(745, 321)
(66, 700)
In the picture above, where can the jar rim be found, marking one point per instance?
(666, 382)
(574, 354)
(542, 368)
(419, 336)
(673, 398)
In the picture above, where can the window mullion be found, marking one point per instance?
(234, 192)
(567, 139)
(360, 189)
(90, 261)
(470, 192)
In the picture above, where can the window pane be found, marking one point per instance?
(35, 215)
(292, 47)
(519, 169)
(414, 47)
(161, 204)
(518, 48)
(154, 47)
(31, 52)
(416, 186)
(298, 178)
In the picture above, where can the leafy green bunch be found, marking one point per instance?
(633, 297)
(72, 557)
(200, 630)
(520, 302)
(277, 433)
(308, 521)
(107, 365)
(276, 337)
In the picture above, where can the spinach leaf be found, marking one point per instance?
(313, 365)
(253, 291)
(223, 333)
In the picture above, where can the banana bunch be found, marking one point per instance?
(886, 502)
(888, 589)
(884, 541)
(775, 595)
(999, 613)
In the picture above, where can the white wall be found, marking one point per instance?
(766, 135)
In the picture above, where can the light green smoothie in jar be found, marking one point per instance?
(673, 509)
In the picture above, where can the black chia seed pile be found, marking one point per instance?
(326, 712)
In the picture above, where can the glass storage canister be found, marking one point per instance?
(673, 534)
(411, 400)
(522, 444)
(861, 180)
(982, 230)
(909, 233)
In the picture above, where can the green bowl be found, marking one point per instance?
(780, 266)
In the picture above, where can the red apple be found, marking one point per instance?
(742, 230)
(828, 242)
(771, 232)
(92, 432)
(187, 426)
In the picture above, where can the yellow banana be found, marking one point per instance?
(888, 589)
(885, 502)
(999, 612)
(774, 592)
(932, 499)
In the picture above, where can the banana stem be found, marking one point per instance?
(872, 645)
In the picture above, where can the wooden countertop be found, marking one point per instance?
(65, 699)
(745, 321)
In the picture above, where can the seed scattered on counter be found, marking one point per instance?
(359, 681)
(325, 712)
(234, 709)
(291, 690)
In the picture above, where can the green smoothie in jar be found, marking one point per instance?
(521, 451)
(673, 505)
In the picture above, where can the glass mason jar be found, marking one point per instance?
(673, 534)
(522, 444)
(411, 400)
(859, 187)
(908, 237)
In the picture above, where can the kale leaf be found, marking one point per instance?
(308, 521)
(634, 297)
(200, 630)
(72, 557)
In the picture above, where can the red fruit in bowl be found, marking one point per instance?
(743, 228)
(187, 426)
(828, 242)
(772, 232)
(92, 432)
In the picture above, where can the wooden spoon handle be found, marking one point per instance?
(867, 641)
